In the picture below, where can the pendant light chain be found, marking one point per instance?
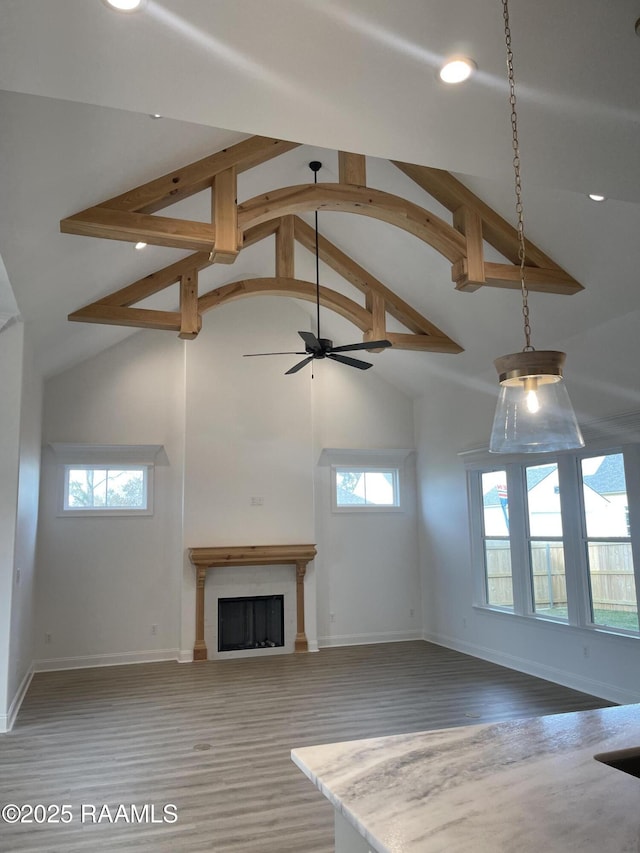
(518, 182)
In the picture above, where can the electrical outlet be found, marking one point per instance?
(154, 630)
(464, 621)
(412, 612)
(585, 651)
(256, 500)
(332, 616)
(18, 573)
(47, 638)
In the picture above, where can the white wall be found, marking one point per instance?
(367, 569)
(248, 435)
(455, 417)
(233, 429)
(23, 603)
(20, 420)
(103, 582)
(11, 349)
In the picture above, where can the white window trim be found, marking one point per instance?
(387, 469)
(371, 459)
(626, 431)
(121, 457)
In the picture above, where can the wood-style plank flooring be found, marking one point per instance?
(214, 739)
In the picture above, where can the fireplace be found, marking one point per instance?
(250, 623)
(252, 559)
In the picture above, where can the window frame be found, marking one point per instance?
(573, 525)
(531, 538)
(104, 457)
(394, 470)
(147, 472)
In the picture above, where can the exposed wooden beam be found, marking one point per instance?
(365, 282)
(452, 194)
(156, 281)
(508, 276)
(191, 321)
(426, 343)
(259, 232)
(469, 222)
(225, 217)
(352, 169)
(356, 314)
(362, 200)
(157, 230)
(285, 248)
(552, 280)
(342, 305)
(142, 318)
(190, 179)
(376, 306)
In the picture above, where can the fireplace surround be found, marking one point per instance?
(208, 558)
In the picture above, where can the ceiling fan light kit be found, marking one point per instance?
(534, 413)
(315, 346)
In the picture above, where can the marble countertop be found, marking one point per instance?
(522, 786)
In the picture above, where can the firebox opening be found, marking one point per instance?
(250, 623)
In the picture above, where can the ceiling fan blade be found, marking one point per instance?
(364, 345)
(254, 354)
(299, 365)
(310, 340)
(352, 362)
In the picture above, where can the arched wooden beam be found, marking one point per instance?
(363, 200)
(294, 287)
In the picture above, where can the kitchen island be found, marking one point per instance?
(521, 786)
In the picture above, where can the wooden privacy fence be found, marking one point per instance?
(611, 574)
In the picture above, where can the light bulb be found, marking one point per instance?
(532, 402)
(531, 395)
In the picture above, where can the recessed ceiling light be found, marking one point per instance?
(457, 69)
(597, 197)
(125, 5)
(140, 245)
(155, 115)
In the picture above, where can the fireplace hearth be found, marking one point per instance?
(250, 623)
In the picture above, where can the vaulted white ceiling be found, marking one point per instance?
(80, 81)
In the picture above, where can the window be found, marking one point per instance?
(495, 535)
(560, 539)
(105, 480)
(365, 488)
(612, 583)
(546, 548)
(89, 489)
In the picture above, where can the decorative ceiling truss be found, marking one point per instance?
(132, 217)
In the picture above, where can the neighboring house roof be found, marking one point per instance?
(538, 473)
(609, 477)
(606, 480)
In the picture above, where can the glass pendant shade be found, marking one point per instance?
(534, 413)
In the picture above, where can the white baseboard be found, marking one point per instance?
(368, 639)
(611, 692)
(7, 720)
(150, 656)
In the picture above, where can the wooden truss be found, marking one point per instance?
(132, 217)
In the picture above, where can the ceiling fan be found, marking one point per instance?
(314, 345)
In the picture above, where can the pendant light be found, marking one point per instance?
(534, 413)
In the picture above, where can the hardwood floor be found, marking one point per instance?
(214, 738)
